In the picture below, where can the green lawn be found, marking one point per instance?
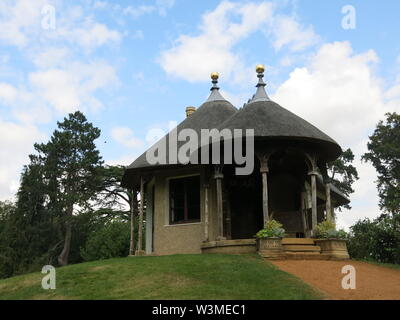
(165, 277)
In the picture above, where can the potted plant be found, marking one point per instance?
(269, 240)
(331, 241)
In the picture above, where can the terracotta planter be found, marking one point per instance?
(270, 248)
(335, 248)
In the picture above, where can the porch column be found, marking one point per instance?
(218, 176)
(139, 250)
(303, 210)
(264, 173)
(328, 201)
(206, 187)
(313, 175)
(132, 233)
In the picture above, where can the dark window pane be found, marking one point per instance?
(184, 199)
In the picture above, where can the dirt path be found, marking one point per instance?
(372, 282)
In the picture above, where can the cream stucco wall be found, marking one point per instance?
(179, 238)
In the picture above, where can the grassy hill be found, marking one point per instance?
(164, 277)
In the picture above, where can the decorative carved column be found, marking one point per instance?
(139, 250)
(303, 212)
(206, 217)
(328, 200)
(218, 176)
(314, 221)
(132, 231)
(228, 221)
(313, 173)
(264, 157)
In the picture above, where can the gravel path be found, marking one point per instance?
(372, 282)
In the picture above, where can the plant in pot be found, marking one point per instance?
(269, 240)
(331, 241)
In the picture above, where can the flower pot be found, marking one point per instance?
(335, 248)
(270, 248)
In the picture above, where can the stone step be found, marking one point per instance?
(299, 241)
(306, 256)
(301, 248)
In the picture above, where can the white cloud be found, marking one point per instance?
(8, 92)
(160, 6)
(22, 22)
(338, 93)
(289, 32)
(193, 57)
(337, 84)
(125, 160)
(50, 57)
(15, 144)
(138, 11)
(19, 20)
(93, 34)
(125, 137)
(73, 87)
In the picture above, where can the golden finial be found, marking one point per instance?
(214, 75)
(260, 68)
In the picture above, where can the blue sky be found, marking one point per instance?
(133, 66)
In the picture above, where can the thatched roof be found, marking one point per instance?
(208, 116)
(270, 121)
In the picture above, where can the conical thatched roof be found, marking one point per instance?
(270, 121)
(208, 116)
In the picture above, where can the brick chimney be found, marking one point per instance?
(189, 111)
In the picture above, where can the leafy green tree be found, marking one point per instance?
(29, 232)
(111, 241)
(112, 195)
(384, 154)
(377, 240)
(7, 208)
(71, 165)
(343, 174)
(124, 201)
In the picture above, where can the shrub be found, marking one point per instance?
(273, 229)
(327, 230)
(110, 241)
(377, 240)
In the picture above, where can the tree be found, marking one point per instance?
(7, 208)
(384, 154)
(112, 195)
(71, 164)
(110, 241)
(343, 174)
(30, 230)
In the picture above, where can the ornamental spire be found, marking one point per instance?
(215, 94)
(260, 95)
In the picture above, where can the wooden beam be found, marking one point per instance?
(132, 235)
(139, 250)
(303, 212)
(228, 231)
(264, 175)
(328, 202)
(313, 201)
(206, 236)
(218, 176)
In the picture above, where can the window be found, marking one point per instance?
(184, 200)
